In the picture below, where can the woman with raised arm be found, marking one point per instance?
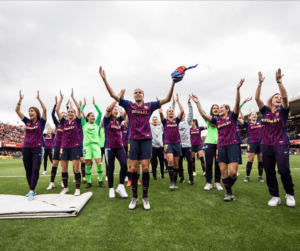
(275, 141)
(140, 142)
(57, 142)
(49, 140)
(197, 145)
(172, 141)
(228, 141)
(33, 142)
(70, 146)
(114, 148)
(90, 127)
(254, 132)
(184, 132)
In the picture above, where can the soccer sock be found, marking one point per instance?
(227, 185)
(138, 176)
(100, 171)
(260, 168)
(134, 178)
(88, 173)
(171, 173)
(194, 165)
(53, 173)
(77, 180)
(145, 178)
(202, 164)
(249, 168)
(232, 180)
(83, 169)
(166, 164)
(65, 177)
(175, 174)
(129, 175)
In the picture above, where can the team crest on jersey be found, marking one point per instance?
(146, 107)
(227, 118)
(277, 113)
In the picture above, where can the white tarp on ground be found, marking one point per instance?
(43, 206)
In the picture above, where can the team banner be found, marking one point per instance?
(12, 145)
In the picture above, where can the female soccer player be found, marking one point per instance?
(70, 147)
(49, 140)
(91, 148)
(211, 141)
(114, 149)
(228, 141)
(186, 150)
(275, 142)
(197, 144)
(172, 141)
(140, 143)
(32, 147)
(57, 142)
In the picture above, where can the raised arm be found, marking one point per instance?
(190, 115)
(99, 116)
(258, 100)
(180, 107)
(44, 114)
(236, 107)
(205, 116)
(109, 109)
(245, 101)
(161, 112)
(20, 114)
(122, 113)
(57, 109)
(169, 96)
(283, 92)
(174, 104)
(55, 121)
(78, 114)
(109, 89)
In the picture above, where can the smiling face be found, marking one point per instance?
(91, 117)
(138, 95)
(71, 114)
(215, 110)
(114, 112)
(223, 110)
(155, 121)
(170, 113)
(64, 115)
(253, 117)
(49, 131)
(32, 114)
(276, 100)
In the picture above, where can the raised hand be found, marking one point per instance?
(55, 100)
(68, 102)
(84, 102)
(240, 83)
(120, 111)
(189, 100)
(122, 93)
(248, 99)
(94, 102)
(177, 97)
(62, 97)
(278, 75)
(174, 99)
(102, 73)
(21, 96)
(38, 95)
(260, 78)
(195, 98)
(80, 103)
(72, 94)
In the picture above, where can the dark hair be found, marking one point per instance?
(196, 121)
(211, 109)
(227, 107)
(37, 111)
(86, 118)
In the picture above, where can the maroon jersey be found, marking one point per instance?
(254, 131)
(138, 116)
(59, 135)
(124, 133)
(196, 136)
(33, 133)
(171, 131)
(48, 139)
(71, 137)
(227, 134)
(113, 132)
(274, 132)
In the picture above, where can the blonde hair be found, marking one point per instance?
(269, 101)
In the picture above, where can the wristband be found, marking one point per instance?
(19, 104)
(279, 81)
(241, 106)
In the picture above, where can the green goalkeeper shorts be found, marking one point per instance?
(92, 151)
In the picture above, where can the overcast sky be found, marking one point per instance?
(49, 46)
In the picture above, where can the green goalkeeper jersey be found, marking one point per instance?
(101, 137)
(91, 130)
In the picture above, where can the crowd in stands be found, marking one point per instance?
(12, 133)
(12, 152)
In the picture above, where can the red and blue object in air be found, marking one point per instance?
(178, 74)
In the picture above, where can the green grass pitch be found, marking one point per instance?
(186, 219)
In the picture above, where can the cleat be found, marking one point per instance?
(204, 173)
(172, 185)
(133, 202)
(232, 197)
(121, 190)
(50, 186)
(191, 182)
(84, 180)
(64, 191)
(181, 180)
(146, 203)
(77, 192)
(126, 178)
(44, 172)
(128, 183)
(106, 179)
(31, 195)
(154, 178)
(101, 184)
(260, 179)
(175, 185)
(237, 174)
(139, 183)
(74, 181)
(208, 186)
(62, 184)
(194, 173)
(218, 186)
(274, 202)
(290, 200)
(88, 185)
(162, 176)
(227, 198)
(247, 179)
(111, 194)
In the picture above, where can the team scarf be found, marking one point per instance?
(179, 73)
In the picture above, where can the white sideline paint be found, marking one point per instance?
(43, 206)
